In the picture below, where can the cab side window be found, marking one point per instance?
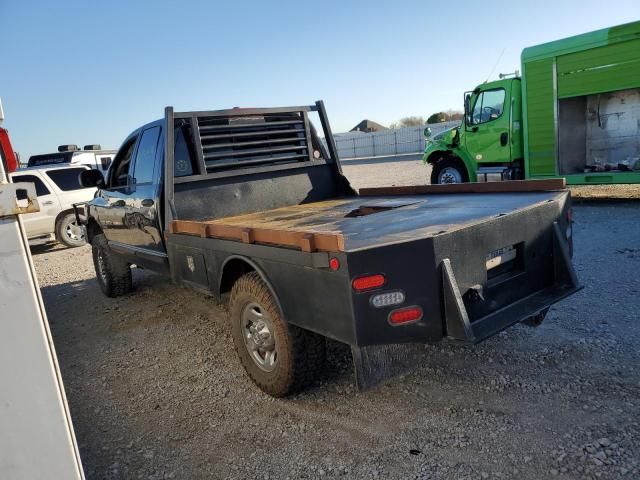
(119, 173)
(146, 156)
(41, 188)
(489, 105)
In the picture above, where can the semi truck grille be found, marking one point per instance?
(252, 140)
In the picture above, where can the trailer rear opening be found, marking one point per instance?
(599, 133)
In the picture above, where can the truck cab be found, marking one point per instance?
(487, 145)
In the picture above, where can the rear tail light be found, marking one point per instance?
(387, 299)
(334, 264)
(7, 155)
(368, 282)
(405, 315)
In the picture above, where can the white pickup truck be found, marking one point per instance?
(58, 188)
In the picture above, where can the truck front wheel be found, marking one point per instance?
(449, 170)
(113, 273)
(280, 358)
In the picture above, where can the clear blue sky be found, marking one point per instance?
(90, 72)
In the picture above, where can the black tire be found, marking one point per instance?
(298, 354)
(113, 273)
(457, 170)
(69, 232)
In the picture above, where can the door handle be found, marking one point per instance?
(118, 203)
(474, 129)
(504, 138)
(147, 202)
(48, 202)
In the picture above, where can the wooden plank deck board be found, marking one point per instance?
(331, 226)
(305, 241)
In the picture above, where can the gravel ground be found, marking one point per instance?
(156, 391)
(609, 192)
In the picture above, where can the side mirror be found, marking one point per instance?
(427, 132)
(91, 178)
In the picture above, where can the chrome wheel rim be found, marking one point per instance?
(74, 232)
(258, 335)
(450, 175)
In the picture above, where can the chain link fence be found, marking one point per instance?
(386, 142)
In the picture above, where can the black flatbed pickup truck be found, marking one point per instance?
(251, 207)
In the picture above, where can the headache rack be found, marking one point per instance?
(248, 138)
(251, 157)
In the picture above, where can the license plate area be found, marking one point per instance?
(504, 262)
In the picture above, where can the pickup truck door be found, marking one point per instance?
(109, 206)
(487, 131)
(42, 222)
(142, 202)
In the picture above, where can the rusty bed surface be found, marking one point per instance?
(346, 224)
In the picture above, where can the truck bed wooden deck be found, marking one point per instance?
(347, 224)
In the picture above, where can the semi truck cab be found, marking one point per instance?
(487, 145)
(574, 113)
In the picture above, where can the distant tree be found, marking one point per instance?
(453, 115)
(438, 117)
(416, 121)
(448, 116)
(411, 121)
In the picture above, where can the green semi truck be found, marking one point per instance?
(573, 113)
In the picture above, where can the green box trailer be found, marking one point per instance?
(574, 113)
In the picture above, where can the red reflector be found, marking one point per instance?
(405, 315)
(368, 282)
(334, 264)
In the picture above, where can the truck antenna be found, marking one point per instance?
(494, 66)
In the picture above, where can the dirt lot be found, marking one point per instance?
(156, 391)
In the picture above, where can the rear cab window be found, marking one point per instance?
(50, 159)
(66, 179)
(184, 156)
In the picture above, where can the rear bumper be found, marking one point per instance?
(458, 324)
(452, 278)
(380, 359)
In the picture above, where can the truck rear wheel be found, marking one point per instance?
(280, 358)
(113, 273)
(449, 170)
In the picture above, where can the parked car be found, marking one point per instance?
(58, 188)
(92, 155)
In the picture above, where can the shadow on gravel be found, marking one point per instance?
(68, 290)
(39, 248)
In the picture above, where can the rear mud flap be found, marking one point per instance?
(458, 324)
(377, 364)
